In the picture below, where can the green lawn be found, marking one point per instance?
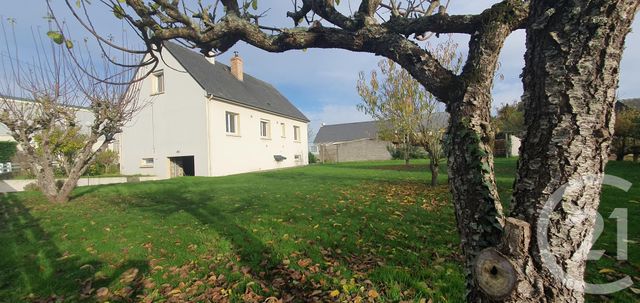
(346, 232)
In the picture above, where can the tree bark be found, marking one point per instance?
(88, 155)
(406, 150)
(434, 166)
(470, 157)
(621, 151)
(570, 78)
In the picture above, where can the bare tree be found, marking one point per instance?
(572, 65)
(45, 124)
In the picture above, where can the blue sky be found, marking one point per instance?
(322, 82)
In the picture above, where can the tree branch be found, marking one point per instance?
(510, 11)
(232, 7)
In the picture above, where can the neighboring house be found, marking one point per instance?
(628, 103)
(209, 119)
(351, 142)
(506, 145)
(360, 141)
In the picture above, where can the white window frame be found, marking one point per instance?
(157, 83)
(147, 162)
(265, 132)
(283, 129)
(296, 133)
(235, 124)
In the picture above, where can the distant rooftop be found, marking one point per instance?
(363, 130)
(632, 103)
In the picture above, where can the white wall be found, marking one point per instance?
(172, 124)
(9, 186)
(248, 151)
(515, 146)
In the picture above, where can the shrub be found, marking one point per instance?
(106, 163)
(32, 187)
(415, 152)
(312, 158)
(7, 151)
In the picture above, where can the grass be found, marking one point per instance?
(353, 231)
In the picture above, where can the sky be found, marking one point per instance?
(322, 83)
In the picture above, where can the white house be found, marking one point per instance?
(208, 119)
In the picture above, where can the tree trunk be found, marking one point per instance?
(406, 152)
(570, 79)
(85, 158)
(621, 151)
(69, 185)
(434, 166)
(470, 157)
(46, 181)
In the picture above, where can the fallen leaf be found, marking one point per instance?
(304, 262)
(606, 271)
(102, 292)
(373, 294)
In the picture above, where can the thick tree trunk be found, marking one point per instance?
(69, 185)
(47, 182)
(84, 159)
(571, 74)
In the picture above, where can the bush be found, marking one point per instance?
(106, 163)
(7, 151)
(312, 158)
(415, 152)
(32, 187)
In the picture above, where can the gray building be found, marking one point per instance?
(633, 103)
(351, 142)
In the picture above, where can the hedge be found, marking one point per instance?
(7, 151)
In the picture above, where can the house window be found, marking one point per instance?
(146, 162)
(265, 129)
(296, 133)
(232, 123)
(157, 83)
(283, 130)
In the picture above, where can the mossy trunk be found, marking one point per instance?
(470, 156)
(571, 75)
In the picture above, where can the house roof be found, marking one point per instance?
(364, 130)
(347, 132)
(217, 80)
(632, 103)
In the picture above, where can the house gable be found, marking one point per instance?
(218, 81)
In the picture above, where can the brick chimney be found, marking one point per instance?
(211, 58)
(236, 67)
